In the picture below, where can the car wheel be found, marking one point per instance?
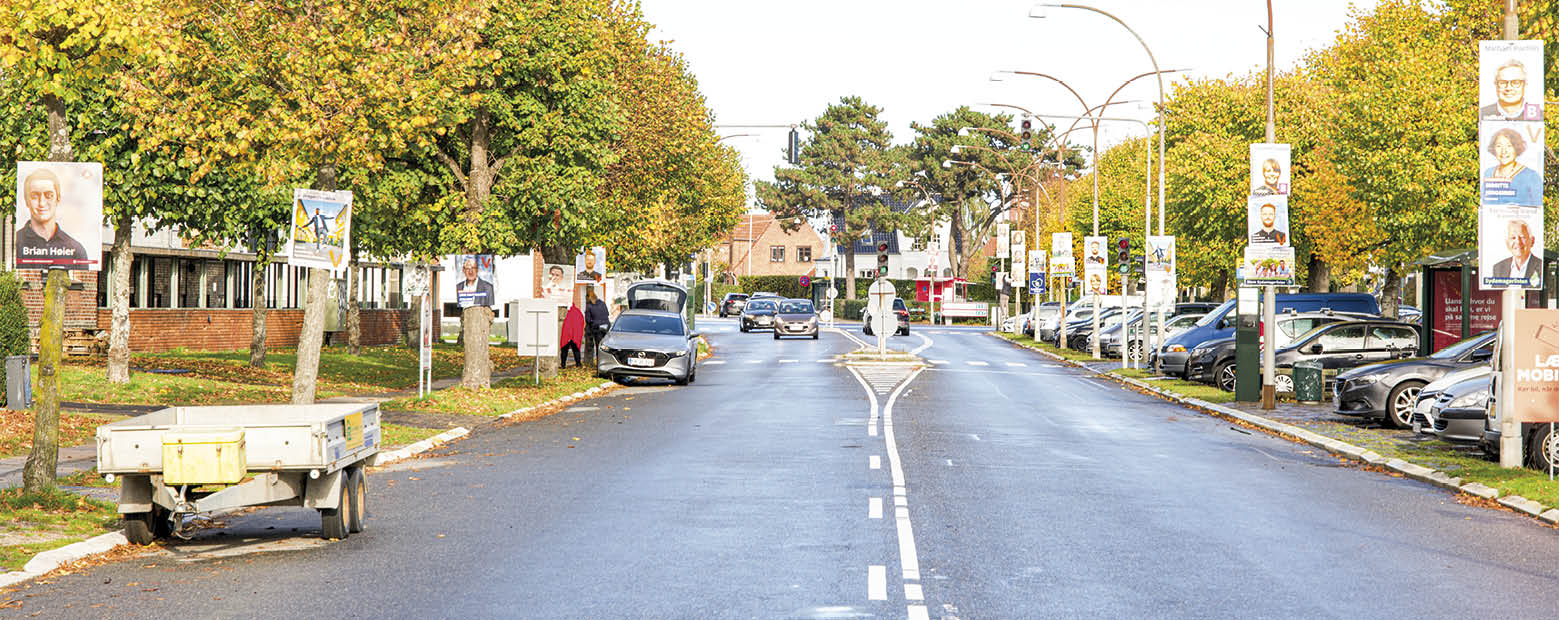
(776, 334)
(814, 335)
(1543, 450)
(1224, 375)
(684, 380)
(1399, 405)
(1284, 383)
(743, 328)
(1135, 351)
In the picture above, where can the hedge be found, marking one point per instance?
(790, 286)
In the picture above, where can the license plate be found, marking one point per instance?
(639, 361)
(1417, 428)
(763, 320)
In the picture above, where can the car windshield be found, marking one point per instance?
(898, 304)
(795, 307)
(759, 304)
(1457, 350)
(1208, 319)
(648, 324)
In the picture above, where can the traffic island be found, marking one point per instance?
(1519, 490)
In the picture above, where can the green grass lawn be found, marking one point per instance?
(1068, 354)
(16, 429)
(31, 523)
(503, 397)
(395, 435)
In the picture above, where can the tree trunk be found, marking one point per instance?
(354, 325)
(1389, 293)
(849, 269)
(119, 302)
(312, 337)
(955, 254)
(1220, 286)
(43, 460)
(411, 329)
(478, 368)
(259, 313)
(1320, 276)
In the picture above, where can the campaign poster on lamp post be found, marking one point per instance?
(1096, 275)
(1161, 271)
(1510, 81)
(321, 229)
(1267, 220)
(1019, 255)
(59, 215)
(1061, 261)
(1269, 173)
(1267, 266)
(1037, 270)
(1510, 242)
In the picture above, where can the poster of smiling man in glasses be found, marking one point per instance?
(1510, 81)
(59, 210)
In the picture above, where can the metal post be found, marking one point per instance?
(1269, 296)
(1510, 444)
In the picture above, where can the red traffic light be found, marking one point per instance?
(882, 246)
(1125, 244)
(1027, 124)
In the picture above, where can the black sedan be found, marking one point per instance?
(1388, 390)
(758, 314)
(732, 304)
(1348, 344)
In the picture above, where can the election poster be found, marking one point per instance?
(321, 229)
(1510, 242)
(1269, 169)
(1061, 262)
(590, 265)
(1036, 270)
(1267, 220)
(1161, 271)
(1096, 275)
(1019, 256)
(474, 280)
(1510, 162)
(1510, 81)
(59, 215)
(1536, 365)
(1267, 266)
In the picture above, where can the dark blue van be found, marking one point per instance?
(1220, 322)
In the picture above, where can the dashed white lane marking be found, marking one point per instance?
(974, 436)
(874, 508)
(874, 461)
(789, 361)
(938, 362)
(712, 363)
(754, 361)
(877, 582)
(978, 363)
(912, 592)
(918, 612)
(1017, 364)
(825, 361)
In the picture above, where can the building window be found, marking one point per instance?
(804, 253)
(776, 253)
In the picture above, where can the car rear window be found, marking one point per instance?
(646, 324)
(759, 304)
(1345, 338)
(796, 307)
(1392, 337)
(736, 297)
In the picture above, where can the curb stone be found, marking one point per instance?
(1335, 446)
(47, 561)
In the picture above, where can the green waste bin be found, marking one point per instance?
(1308, 383)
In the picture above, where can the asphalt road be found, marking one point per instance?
(992, 484)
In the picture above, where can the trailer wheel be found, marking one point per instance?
(333, 521)
(358, 484)
(138, 527)
(162, 522)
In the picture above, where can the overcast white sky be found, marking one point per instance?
(782, 62)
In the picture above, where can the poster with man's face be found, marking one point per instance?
(1161, 254)
(59, 215)
(1510, 80)
(1510, 162)
(1510, 247)
(590, 266)
(1267, 220)
(1095, 265)
(1269, 169)
(474, 280)
(1019, 256)
(321, 229)
(1061, 262)
(557, 283)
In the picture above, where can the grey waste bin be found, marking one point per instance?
(18, 382)
(1308, 383)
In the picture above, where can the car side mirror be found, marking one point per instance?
(692, 335)
(1316, 348)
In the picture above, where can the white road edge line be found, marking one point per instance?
(871, 420)
(908, 558)
(877, 582)
(858, 341)
(923, 347)
(918, 612)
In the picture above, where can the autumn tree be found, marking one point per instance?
(968, 198)
(847, 162)
(297, 91)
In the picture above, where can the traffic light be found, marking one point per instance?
(882, 259)
(1123, 251)
(1027, 131)
(793, 148)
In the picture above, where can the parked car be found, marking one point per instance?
(1423, 416)
(1541, 445)
(1174, 325)
(1219, 323)
(1460, 411)
(898, 308)
(646, 342)
(1389, 390)
(1110, 341)
(1213, 361)
(1347, 344)
(1039, 315)
(758, 314)
(732, 304)
(1080, 334)
(795, 317)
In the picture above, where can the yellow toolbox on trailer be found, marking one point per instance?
(214, 456)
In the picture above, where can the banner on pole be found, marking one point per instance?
(1096, 275)
(1061, 261)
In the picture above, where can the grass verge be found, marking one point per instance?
(395, 435)
(31, 523)
(1068, 354)
(16, 428)
(503, 397)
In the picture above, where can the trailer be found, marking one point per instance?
(186, 460)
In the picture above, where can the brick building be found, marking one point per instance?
(770, 248)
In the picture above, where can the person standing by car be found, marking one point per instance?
(597, 320)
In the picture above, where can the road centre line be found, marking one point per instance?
(713, 363)
(874, 508)
(871, 421)
(875, 461)
(923, 347)
(877, 582)
(908, 558)
(918, 612)
(978, 363)
(1017, 364)
(788, 361)
(938, 362)
(754, 361)
(913, 592)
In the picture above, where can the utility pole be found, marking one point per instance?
(1509, 429)
(1269, 299)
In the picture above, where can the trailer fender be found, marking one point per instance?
(324, 491)
(135, 494)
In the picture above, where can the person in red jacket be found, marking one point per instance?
(573, 336)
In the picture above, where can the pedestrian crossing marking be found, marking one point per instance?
(938, 362)
(1017, 364)
(977, 363)
(714, 362)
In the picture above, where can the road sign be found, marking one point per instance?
(806, 281)
(833, 293)
(879, 302)
(833, 228)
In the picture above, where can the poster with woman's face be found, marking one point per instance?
(1510, 162)
(1269, 169)
(1510, 80)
